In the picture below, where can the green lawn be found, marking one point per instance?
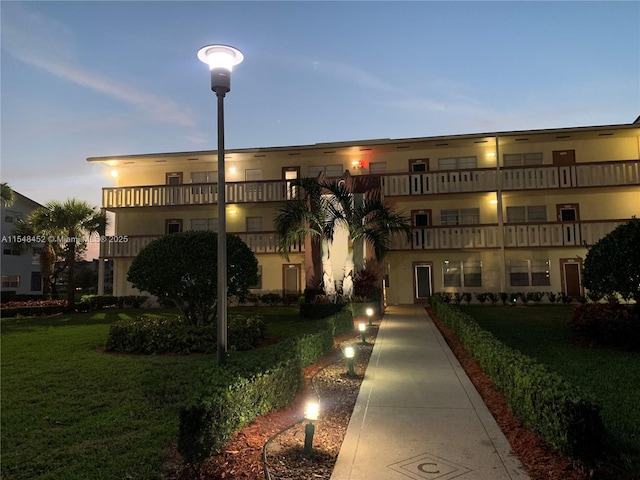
(71, 412)
(611, 377)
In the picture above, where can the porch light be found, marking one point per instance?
(221, 60)
(349, 353)
(311, 412)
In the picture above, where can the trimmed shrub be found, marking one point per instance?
(558, 411)
(607, 325)
(250, 386)
(175, 335)
(33, 308)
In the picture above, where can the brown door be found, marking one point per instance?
(571, 285)
(564, 157)
(288, 174)
(291, 278)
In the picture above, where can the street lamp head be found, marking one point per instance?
(221, 59)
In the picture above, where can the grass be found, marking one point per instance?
(71, 412)
(611, 377)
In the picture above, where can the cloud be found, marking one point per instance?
(46, 43)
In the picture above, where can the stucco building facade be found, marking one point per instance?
(491, 212)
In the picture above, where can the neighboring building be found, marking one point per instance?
(491, 212)
(20, 266)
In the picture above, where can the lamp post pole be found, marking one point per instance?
(221, 59)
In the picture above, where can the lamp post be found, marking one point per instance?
(349, 353)
(221, 59)
(311, 413)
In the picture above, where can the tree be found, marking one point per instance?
(302, 220)
(329, 206)
(367, 221)
(182, 268)
(69, 226)
(612, 265)
(7, 195)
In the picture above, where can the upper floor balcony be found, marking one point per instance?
(531, 235)
(539, 177)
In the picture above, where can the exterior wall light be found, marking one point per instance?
(362, 328)
(349, 353)
(311, 412)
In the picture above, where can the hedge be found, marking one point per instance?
(173, 335)
(548, 405)
(249, 386)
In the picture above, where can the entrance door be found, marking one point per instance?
(422, 281)
(288, 174)
(569, 214)
(571, 281)
(291, 279)
(564, 157)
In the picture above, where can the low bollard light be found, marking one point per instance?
(349, 353)
(369, 312)
(362, 328)
(311, 412)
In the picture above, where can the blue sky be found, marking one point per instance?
(83, 79)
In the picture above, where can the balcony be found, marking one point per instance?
(515, 236)
(128, 246)
(513, 178)
(194, 194)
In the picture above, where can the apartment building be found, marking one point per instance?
(493, 212)
(20, 266)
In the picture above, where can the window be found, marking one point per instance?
(463, 216)
(174, 178)
(204, 224)
(204, 177)
(467, 273)
(522, 159)
(457, 163)
(419, 165)
(36, 281)
(534, 213)
(10, 281)
(377, 168)
(525, 273)
(253, 175)
(421, 219)
(173, 226)
(254, 224)
(330, 171)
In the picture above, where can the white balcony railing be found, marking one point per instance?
(515, 235)
(542, 177)
(128, 246)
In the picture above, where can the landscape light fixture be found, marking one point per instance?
(311, 412)
(349, 353)
(221, 60)
(369, 312)
(362, 328)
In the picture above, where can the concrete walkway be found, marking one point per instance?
(418, 415)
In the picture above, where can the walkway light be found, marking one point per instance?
(221, 60)
(362, 328)
(349, 353)
(311, 412)
(369, 312)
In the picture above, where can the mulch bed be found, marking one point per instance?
(242, 457)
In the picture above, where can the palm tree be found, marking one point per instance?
(7, 195)
(67, 223)
(367, 221)
(302, 220)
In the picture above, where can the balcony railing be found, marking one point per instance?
(400, 184)
(540, 177)
(128, 246)
(194, 194)
(515, 235)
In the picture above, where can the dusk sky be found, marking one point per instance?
(86, 79)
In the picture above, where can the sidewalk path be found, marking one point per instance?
(418, 415)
